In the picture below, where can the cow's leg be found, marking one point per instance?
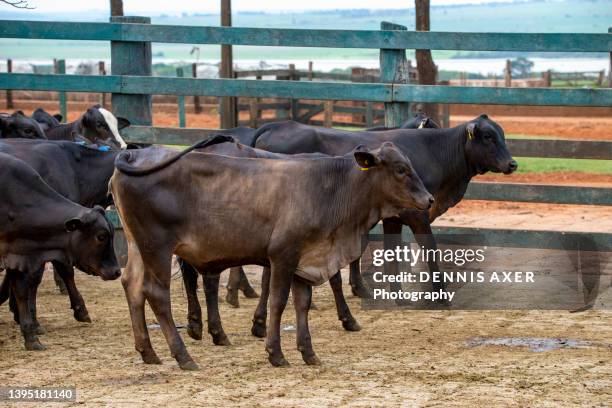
(358, 286)
(344, 313)
(5, 290)
(245, 286)
(421, 228)
(132, 280)
(60, 283)
(302, 295)
(392, 229)
(281, 276)
(261, 313)
(233, 283)
(157, 292)
(19, 286)
(77, 304)
(194, 311)
(34, 279)
(211, 291)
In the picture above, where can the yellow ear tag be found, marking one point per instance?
(364, 168)
(470, 134)
(421, 125)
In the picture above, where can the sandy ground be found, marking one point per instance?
(400, 358)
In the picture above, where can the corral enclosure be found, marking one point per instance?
(422, 354)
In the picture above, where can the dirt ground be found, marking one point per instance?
(400, 358)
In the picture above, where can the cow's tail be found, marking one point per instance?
(122, 162)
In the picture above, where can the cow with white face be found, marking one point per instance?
(97, 126)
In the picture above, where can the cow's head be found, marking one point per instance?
(486, 147)
(420, 121)
(395, 180)
(91, 244)
(46, 120)
(101, 127)
(19, 125)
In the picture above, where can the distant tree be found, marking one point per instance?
(20, 4)
(521, 67)
(425, 65)
(116, 7)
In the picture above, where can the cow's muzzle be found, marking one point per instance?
(511, 167)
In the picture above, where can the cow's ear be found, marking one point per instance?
(58, 117)
(122, 123)
(73, 224)
(366, 160)
(471, 129)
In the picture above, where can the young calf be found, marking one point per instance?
(19, 125)
(39, 225)
(303, 218)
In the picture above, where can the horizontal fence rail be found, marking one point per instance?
(539, 193)
(387, 39)
(143, 85)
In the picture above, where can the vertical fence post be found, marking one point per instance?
(310, 70)
(228, 105)
(254, 111)
(102, 71)
(61, 69)
(9, 94)
(610, 64)
(131, 58)
(197, 107)
(508, 74)
(394, 70)
(295, 108)
(181, 100)
(328, 119)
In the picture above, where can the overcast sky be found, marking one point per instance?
(207, 6)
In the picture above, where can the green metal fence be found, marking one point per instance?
(132, 84)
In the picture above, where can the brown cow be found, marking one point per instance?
(303, 218)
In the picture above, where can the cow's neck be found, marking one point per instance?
(450, 154)
(94, 171)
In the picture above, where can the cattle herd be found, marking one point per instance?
(297, 200)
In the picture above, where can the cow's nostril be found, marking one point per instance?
(513, 165)
(117, 273)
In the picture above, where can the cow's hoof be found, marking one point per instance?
(220, 339)
(250, 293)
(258, 330)
(194, 331)
(149, 357)
(311, 359)
(351, 324)
(39, 330)
(278, 361)
(232, 298)
(81, 315)
(189, 365)
(34, 345)
(362, 292)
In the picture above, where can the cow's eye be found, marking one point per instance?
(102, 237)
(28, 131)
(400, 170)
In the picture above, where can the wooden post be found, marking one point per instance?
(329, 113)
(393, 70)
(508, 74)
(369, 114)
(547, 75)
(61, 69)
(310, 70)
(197, 107)
(228, 108)
(281, 113)
(181, 100)
(254, 111)
(295, 108)
(9, 94)
(102, 71)
(131, 58)
(610, 64)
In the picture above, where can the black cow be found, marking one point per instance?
(19, 125)
(96, 126)
(46, 120)
(78, 173)
(39, 225)
(446, 159)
